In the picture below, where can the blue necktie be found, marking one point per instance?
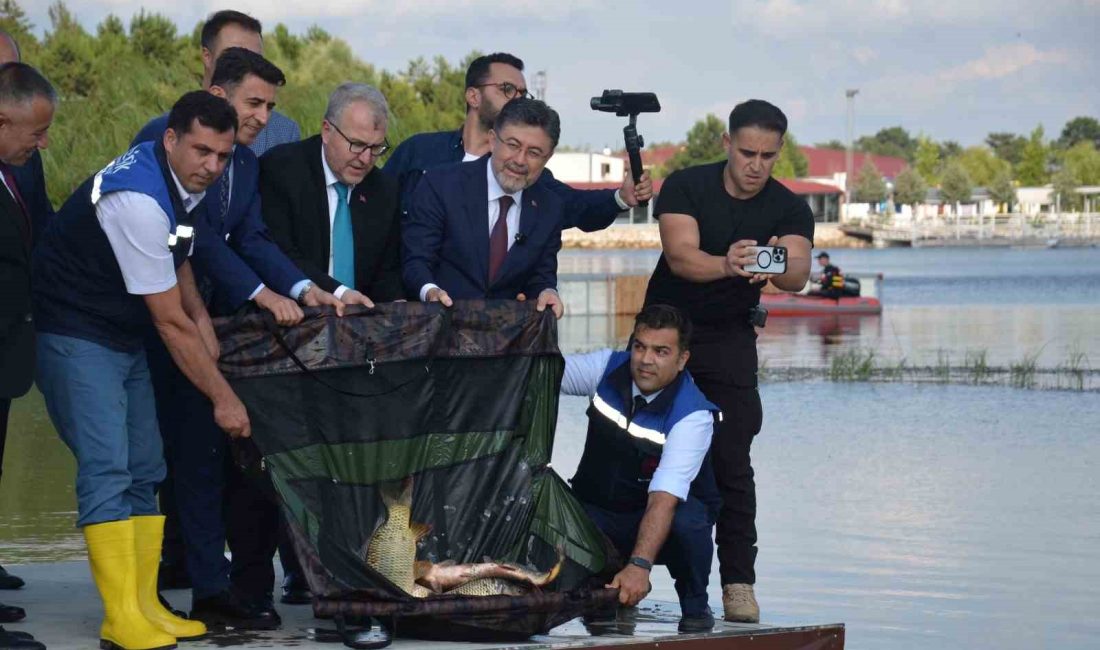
(343, 244)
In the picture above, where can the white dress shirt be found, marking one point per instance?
(685, 446)
(137, 229)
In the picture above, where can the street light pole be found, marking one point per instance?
(850, 94)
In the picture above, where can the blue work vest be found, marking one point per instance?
(78, 286)
(622, 453)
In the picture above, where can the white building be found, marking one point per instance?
(579, 167)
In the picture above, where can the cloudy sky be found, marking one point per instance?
(952, 69)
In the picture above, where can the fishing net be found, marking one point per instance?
(461, 403)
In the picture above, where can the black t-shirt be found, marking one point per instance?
(700, 192)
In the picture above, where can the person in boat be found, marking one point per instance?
(645, 477)
(831, 280)
(712, 217)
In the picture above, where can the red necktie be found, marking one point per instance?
(9, 180)
(498, 238)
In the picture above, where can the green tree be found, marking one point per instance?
(927, 159)
(14, 21)
(981, 165)
(1065, 190)
(1080, 129)
(956, 186)
(1009, 147)
(1083, 162)
(704, 145)
(950, 149)
(792, 162)
(832, 144)
(1002, 190)
(894, 141)
(1032, 169)
(909, 188)
(869, 187)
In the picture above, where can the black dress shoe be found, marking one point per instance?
(697, 623)
(20, 640)
(295, 591)
(11, 613)
(8, 581)
(166, 605)
(224, 610)
(171, 575)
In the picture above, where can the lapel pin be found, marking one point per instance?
(362, 198)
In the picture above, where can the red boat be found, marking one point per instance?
(862, 298)
(795, 304)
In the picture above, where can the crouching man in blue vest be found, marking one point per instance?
(113, 263)
(644, 477)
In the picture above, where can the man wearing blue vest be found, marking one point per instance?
(491, 82)
(114, 263)
(235, 262)
(644, 478)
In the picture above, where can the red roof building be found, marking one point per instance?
(828, 162)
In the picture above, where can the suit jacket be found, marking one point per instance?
(446, 237)
(589, 210)
(16, 322)
(236, 253)
(32, 185)
(295, 198)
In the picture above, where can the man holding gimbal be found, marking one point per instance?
(711, 218)
(491, 82)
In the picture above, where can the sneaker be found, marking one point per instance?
(739, 603)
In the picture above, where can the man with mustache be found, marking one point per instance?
(487, 228)
(27, 104)
(711, 218)
(492, 81)
(235, 262)
(115, 262)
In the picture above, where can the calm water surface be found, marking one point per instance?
(947, 516)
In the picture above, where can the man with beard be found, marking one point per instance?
(492, 81)
(235, 262)
(712, 217)
(487, 228)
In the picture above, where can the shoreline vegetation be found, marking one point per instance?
(865, 365)
(647, 236)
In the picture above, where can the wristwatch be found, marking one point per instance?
(305, 289)
(640, 562)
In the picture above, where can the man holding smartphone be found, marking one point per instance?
(712, 219)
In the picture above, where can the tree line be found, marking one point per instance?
(115, 78)
(1002, 163)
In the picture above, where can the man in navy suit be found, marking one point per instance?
(487, 228)
(492, 81)
(235, 261)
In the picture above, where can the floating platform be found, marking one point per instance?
(64, 611)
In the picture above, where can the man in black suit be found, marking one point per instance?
(27, 103)
(328, 207)
(29, 176)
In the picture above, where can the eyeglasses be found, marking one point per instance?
(509, 90)
(532, 154)
(358, 148)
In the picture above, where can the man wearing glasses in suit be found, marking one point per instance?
(333, 214)
(491, 82)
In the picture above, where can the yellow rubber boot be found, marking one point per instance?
(148, 537)
(114, 569)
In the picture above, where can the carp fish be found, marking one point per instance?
(391, 551)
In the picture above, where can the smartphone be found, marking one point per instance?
(769, 259)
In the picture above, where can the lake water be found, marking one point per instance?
(955, 516)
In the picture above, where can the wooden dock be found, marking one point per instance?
(64, 611)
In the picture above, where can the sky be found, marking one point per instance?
(952, 70)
